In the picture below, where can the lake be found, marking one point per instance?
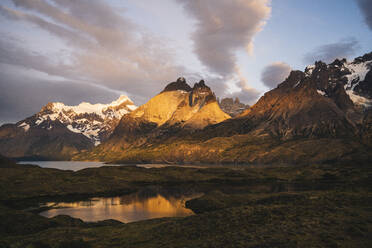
(79, 165)
(127, 208)
(66, 165)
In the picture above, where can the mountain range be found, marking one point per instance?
(59, 131)
(321, 114)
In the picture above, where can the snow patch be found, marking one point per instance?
(132, 107)
(25, 126)
(86, 118)
(320, 92)
(294, 86)
(358, 74)
(22, 124)
(39, 121)
(359, 100)
(72, 129)
(309, 69)
(86, 107)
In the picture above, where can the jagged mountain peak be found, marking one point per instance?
(173, 110)
(366, 57)
(59, 131)
(347, 83)
(98, 109)
(325, 100)
(201, 85)
(178, 103)
(94, 121)
(231, 106)
(180, 84)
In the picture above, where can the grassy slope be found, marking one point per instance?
(307, 206)
(244, 149)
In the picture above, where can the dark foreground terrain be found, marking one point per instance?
(307, 206)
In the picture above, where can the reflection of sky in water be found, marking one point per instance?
(66, 165)
(126, 209)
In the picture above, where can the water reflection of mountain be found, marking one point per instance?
(145, 204)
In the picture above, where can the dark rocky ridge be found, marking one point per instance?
(180, 84)
(40, 143)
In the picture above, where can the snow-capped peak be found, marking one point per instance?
(120, 100)
(358, 72)
(352, 76)
(309, 69)
(95, 121)
(98, 108)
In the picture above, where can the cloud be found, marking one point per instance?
(275, 73)
(329, 52)
(366, 9)
(104, 47)
(222, 29)
(22, 95)
(246, 94)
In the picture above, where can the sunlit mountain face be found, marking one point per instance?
(324, 104)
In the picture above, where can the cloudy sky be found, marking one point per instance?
(91, 50)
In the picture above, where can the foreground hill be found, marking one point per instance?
(320, 115)
(59, 131)
(295, 206)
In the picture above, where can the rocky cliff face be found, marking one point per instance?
(178, 104)
(232, 107)
(58, 131)
(320, 115)
(324, 101)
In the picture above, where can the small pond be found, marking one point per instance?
(127, 208)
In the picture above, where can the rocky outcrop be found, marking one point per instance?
(180, 84)
(232, 107)
(179, 104)
(324, 101)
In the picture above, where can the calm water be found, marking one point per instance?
(128, 208)
(79, 165)
(66, 165)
